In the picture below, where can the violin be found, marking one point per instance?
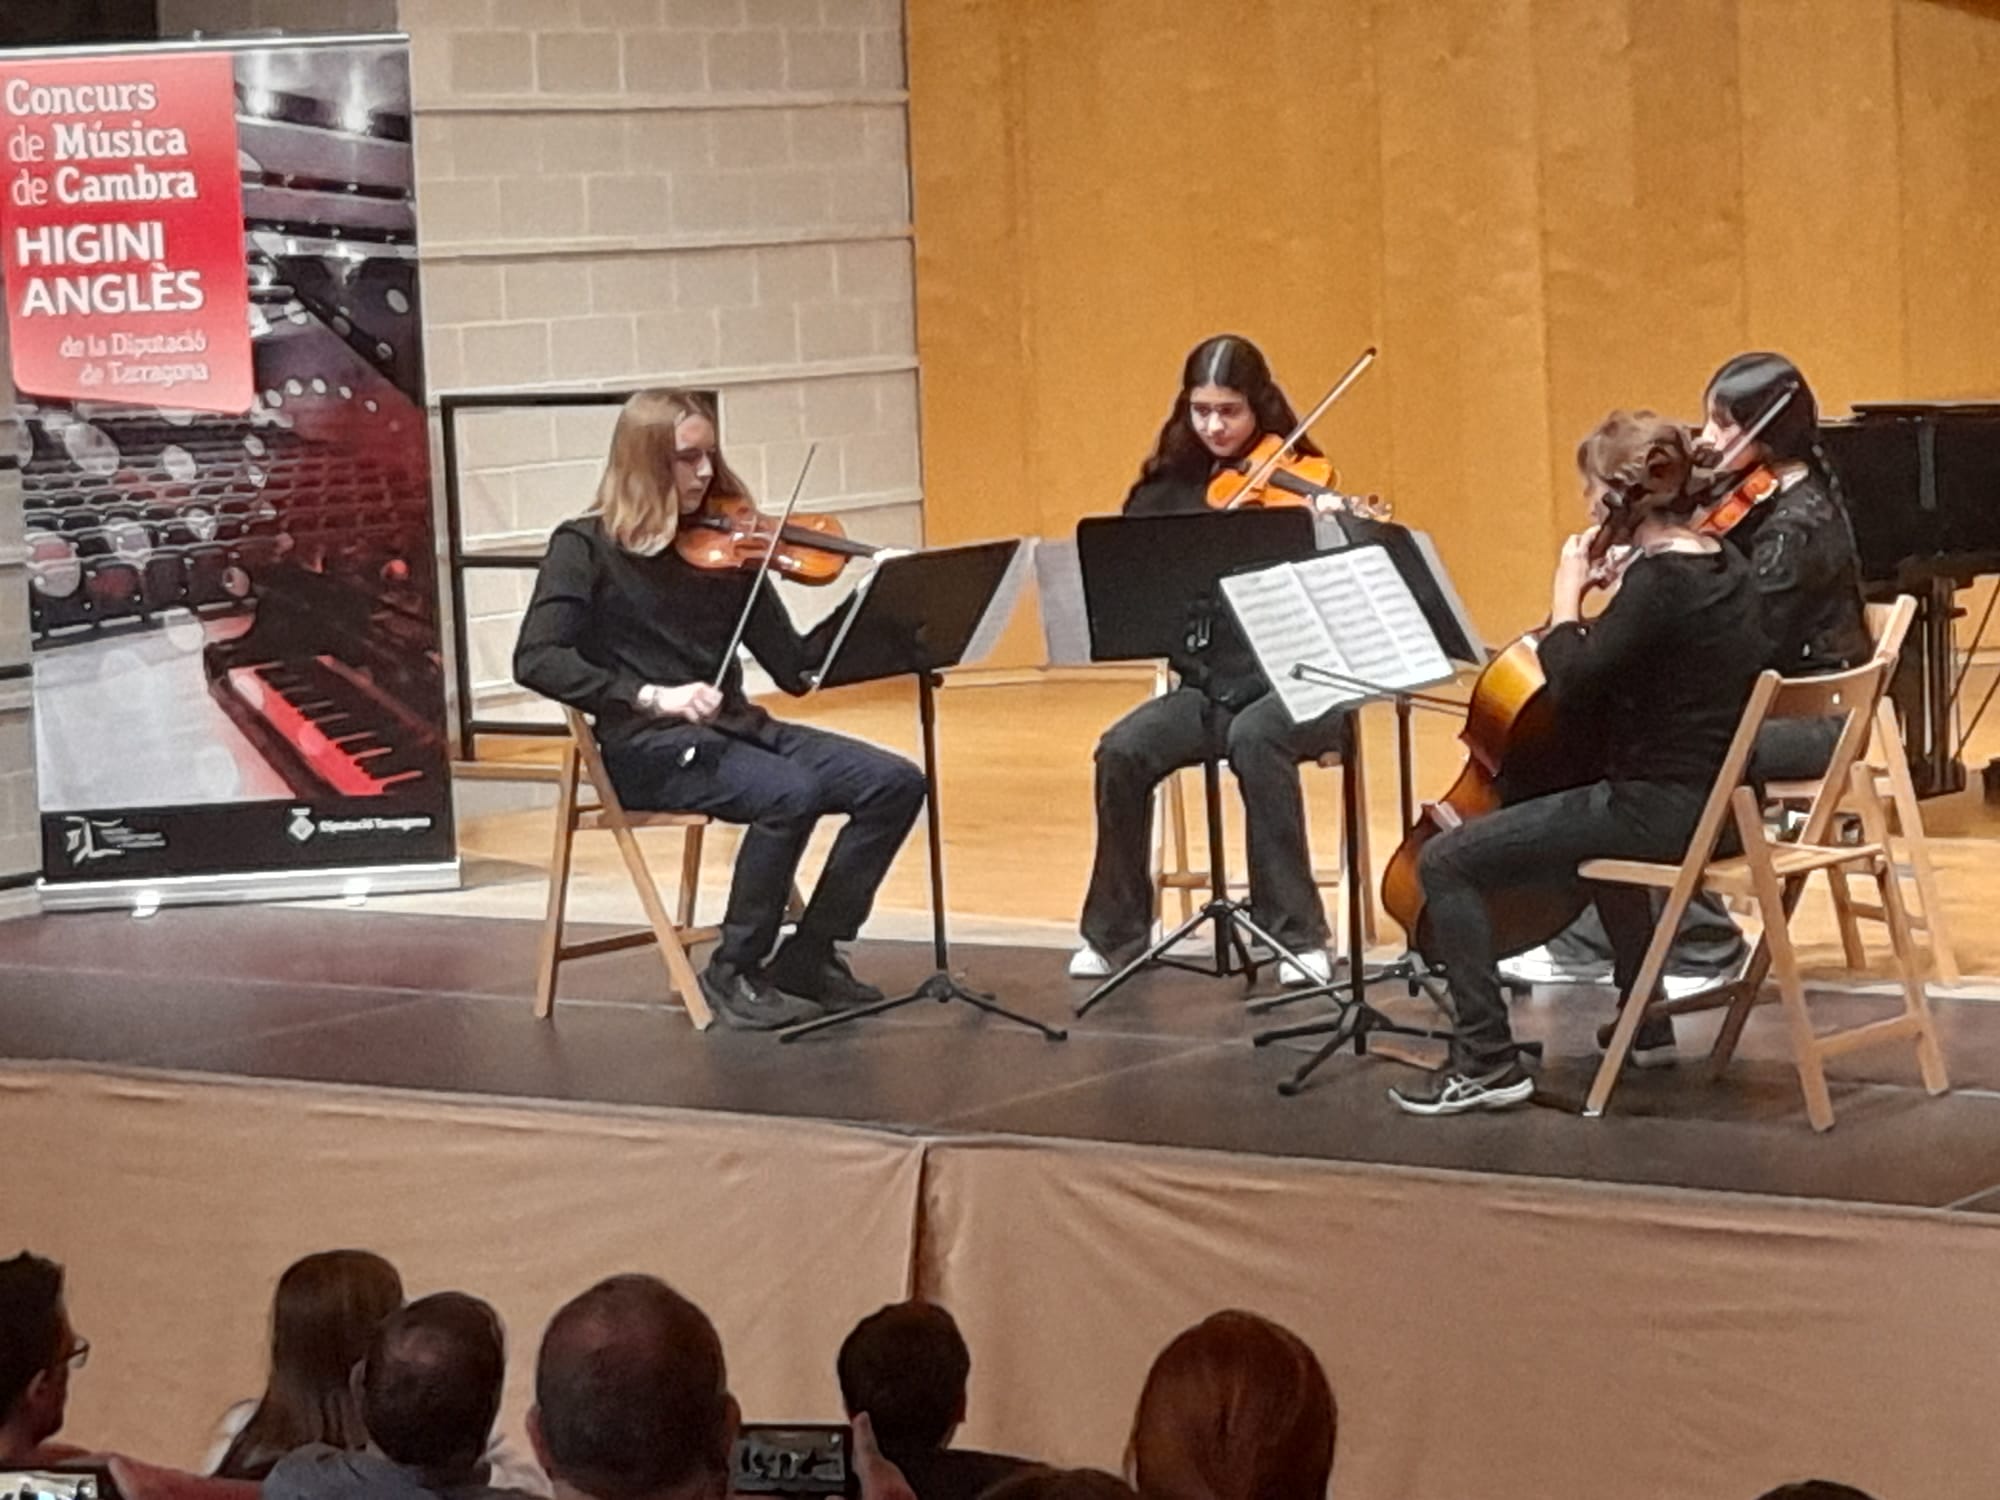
(731, 535)
(1744, 495)
(1288, 478)
(1273, 465)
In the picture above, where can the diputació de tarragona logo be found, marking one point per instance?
(80, 839)
(302, 826)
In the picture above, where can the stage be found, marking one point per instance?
(1694, 1296)
(444, 1005)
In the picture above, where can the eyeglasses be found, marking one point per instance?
(79, 1355)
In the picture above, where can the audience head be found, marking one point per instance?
(430, 1386)
(906, 1366)
(1060, 1484)
(1815, 1489)
(323, 1321)
(631, 1397)
(37, 1350)
(1236, 1408)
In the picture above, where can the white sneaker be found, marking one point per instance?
(1539, 966)
(1088, 963)
(1313, 966)
(1680, 986)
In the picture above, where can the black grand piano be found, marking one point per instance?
(1922, 482)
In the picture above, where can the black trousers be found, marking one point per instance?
(1708, 942)
(1264, 747)
(778, 780)
(1540, 843)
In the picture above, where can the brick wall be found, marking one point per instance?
(615, 193)
(618, 193)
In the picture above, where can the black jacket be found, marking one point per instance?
(1808, 575)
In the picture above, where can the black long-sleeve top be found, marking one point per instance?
(1215, 658)
(1801, 550)
(604, 623)
(1665, 670)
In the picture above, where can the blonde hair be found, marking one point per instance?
(636, 496)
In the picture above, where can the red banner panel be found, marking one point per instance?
(122, 223)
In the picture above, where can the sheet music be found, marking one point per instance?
(1065, 616)
(1350, 612)
(1000, 609)
(1283, 625)
(1375, 618)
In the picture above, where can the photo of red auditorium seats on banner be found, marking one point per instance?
(215, 339)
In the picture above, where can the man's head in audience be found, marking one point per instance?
(1236, 1408)
(631, 1398)
(906, 1366)
(38, 1348)
(430, 1384)
(1815, 1489)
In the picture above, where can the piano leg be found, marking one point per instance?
(1923, 694)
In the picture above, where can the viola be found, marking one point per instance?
(1287, 478)
(732, 535)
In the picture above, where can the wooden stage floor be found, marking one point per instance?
(437, 1003)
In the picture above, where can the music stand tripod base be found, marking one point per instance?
(942, 987)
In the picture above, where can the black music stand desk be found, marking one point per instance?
(919, 616)
(1146, 580)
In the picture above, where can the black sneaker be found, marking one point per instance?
(742, 1000)
(819, 973)
(1652, 1044)
(1456, 1093)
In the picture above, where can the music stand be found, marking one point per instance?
(919, 616)
(1144, 579)
(1321, 625)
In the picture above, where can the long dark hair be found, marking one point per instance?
(1231, 361)
(1743, 389)
(323, 1320)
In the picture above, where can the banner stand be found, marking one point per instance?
(215, 333)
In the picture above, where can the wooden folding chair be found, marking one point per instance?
(1890, 766)
(583, 766)
(1772, 876)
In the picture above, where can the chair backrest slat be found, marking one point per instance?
(1830, 693)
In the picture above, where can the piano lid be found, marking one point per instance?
(1947, 410)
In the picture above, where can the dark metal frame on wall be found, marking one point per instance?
(459, 561)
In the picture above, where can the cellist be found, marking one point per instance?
(1665, 670)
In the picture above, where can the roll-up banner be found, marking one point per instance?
(215, 335)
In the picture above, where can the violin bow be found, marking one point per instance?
(1751, 433)
(763, 569)
(756, 587)
(1264, 470)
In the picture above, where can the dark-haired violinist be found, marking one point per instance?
(1228, 402)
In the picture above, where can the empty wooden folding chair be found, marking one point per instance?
(1771, 876)
(1890, 766)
